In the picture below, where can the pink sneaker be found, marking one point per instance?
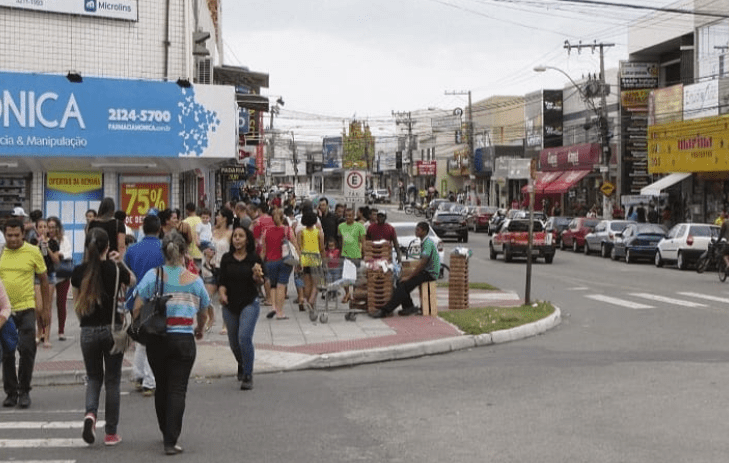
(112, 439)
(89, 432)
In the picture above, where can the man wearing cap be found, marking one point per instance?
(20, 263)
(381, 230)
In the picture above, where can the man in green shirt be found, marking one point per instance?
(427, 269)
(352, 236)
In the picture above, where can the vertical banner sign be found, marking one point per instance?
(68, 195)
(138, 198)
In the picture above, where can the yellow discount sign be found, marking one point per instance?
(138, 198)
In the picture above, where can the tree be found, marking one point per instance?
(358, 148)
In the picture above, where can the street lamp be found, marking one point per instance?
(602, 119)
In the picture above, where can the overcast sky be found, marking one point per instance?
(333, 59)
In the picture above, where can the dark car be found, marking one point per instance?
(574, 236)
(450, 224)
(638, 241)
(482, 217)
(556, 225)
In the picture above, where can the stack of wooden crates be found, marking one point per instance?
(379, 282)
(458, 283)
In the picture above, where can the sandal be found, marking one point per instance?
(285, 317)
(271, 314)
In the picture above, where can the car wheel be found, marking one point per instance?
(628, 259)
(548, 258)
(680, 261)
(465, 238)
(561, 244)
(613, 254)
(492, 252)
(507, 255)
(575, 248)
(587, 248)
(603, 250)
(658, 260)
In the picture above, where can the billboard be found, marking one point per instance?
(114, 9)
(332, 153)
(47, 115)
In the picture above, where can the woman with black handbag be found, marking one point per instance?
(171, 356)
(94, 293)
(63, 263)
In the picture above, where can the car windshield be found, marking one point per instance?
(649, 229)
(704, 230)
(404, 230)
(523, 226)
(590, 222)
(618, 226)
(486, 210)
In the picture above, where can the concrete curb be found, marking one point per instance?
(283, 362)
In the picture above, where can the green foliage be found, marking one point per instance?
(358, 147)
(488, 319)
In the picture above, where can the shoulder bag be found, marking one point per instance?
(152, 319)
(120, 333)
(288, 251)
(9, 336)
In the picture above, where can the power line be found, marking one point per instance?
(649, 8)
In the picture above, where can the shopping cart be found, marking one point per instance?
(330, 277)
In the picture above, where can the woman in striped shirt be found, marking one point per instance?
(171, 357)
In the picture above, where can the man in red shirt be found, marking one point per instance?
(381, 230)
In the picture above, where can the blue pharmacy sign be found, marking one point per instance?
(332, 153)
(47, 115)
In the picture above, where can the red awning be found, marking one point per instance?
(542, 181)
(566, 181)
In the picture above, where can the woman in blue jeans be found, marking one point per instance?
(239, 277)
(94, 293)
(171, 357)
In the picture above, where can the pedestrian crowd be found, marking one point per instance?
(227, 264)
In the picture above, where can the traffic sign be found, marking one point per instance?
(607, 188)
(354, 186)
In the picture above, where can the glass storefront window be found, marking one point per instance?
(713, 47)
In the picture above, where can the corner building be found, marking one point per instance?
(112, 99)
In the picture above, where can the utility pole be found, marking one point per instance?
(602, 114)
(402, 117)
(469, 133)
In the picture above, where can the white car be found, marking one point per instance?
(684, 243)
(410, 244)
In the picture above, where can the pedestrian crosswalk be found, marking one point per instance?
(638, 301)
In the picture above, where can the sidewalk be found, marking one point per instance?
(298, 343)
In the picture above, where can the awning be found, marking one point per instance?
(566, 181)
(543, 180)
(655, 188)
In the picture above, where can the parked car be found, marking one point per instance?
(684, 244)
(410, 244)
(380, 195)
(556, 225)
(638, 241)
(482, 217)
(574, 236)
(513, 240)
(603, 236)
(447, 223)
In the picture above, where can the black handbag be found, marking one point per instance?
(64, 269)
(152, 319)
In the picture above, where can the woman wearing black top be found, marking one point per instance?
(240, 275)
(94, 292)
(116, 230)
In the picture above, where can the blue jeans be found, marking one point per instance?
(18, 381)
(96, 344)
(240, 335)
(171, 358)
(278, 273)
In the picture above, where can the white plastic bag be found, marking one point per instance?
(349, 272)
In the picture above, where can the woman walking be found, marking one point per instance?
(241, 273)
(311, 243)
(277, 272)
(221, 245)
(94, 293)
(116, 230)
(172, 356)
(61, 258)
(44, 244)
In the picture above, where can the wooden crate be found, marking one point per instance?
(429, 298)
(458, 283)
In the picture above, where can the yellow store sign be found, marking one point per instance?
(693, 146)
(73, 182)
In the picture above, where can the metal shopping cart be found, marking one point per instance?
(329, 277)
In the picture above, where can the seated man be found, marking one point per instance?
(427, 269)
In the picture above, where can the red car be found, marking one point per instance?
(574, 236)
(481, 217)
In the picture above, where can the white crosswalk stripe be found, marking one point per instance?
(668, 300)
(41, 443)
(59, 441)
(617, 301)
(707, 297)
(78, 424)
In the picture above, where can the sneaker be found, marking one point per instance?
(89, 433)
(112, 439)
(378, 314)
(10, 401)
(246, 383)
(173, 449)
(147, 391)
(24, 400)
(405, 311)
(137, 383)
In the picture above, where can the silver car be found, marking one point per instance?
(602, 238)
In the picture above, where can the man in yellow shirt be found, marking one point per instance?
(19, 264)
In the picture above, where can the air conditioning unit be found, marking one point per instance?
(203, 71)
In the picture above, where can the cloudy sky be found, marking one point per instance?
(332, 59)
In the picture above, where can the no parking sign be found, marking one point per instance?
(354, 186)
